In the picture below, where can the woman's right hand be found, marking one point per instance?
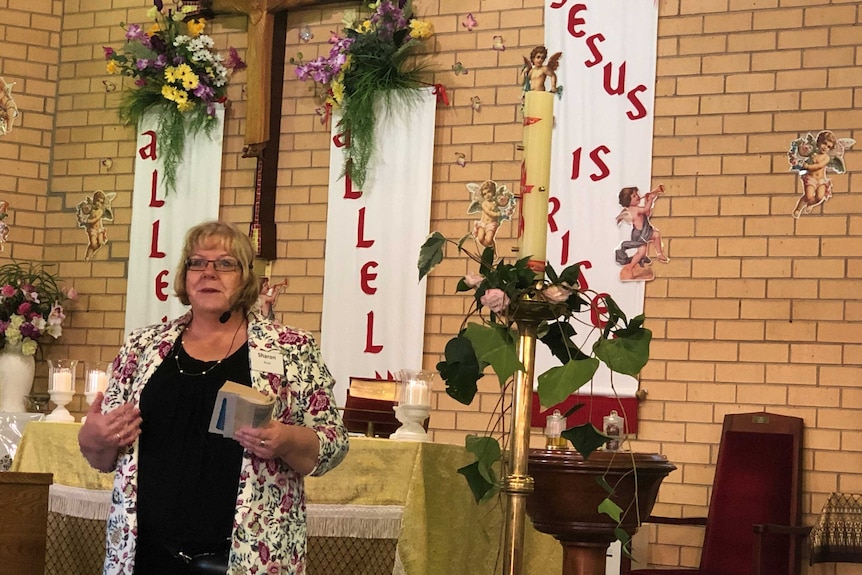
(103, 435)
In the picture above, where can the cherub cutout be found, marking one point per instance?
(813, 158)
(4, 227)
(8, 108)
(633, 254)
(91, 213)
(496, 204)
(269, 296)
(536, 72)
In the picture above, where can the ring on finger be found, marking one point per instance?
(119, 438)
(263, 442)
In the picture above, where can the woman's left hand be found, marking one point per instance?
(296, 445)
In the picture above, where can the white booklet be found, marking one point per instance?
(237, 406)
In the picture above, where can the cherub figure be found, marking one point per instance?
(4, 227)
(495, 203)
(813, 159)
(269, 296)
(91, 213)
(637, 211)
(535, 72)
(8, 108)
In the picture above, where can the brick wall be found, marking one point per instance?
(755, 311)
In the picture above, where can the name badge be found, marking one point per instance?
(268, 361)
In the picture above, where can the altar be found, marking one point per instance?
(391, 507)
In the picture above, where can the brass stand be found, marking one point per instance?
(518, 484)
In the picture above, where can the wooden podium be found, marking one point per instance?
(23, 530)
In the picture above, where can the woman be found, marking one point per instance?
(179, 491)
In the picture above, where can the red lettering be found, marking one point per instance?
(154, 203)
(598, 308)
(583, 285)
(349, 194)
(594, 50)
(148, 151)
(361, 242)
(154, 242)
(369, 335)
(576, 164)
(621, 80)
(600, 164)
(574, 21)
(555, 207)
(564, 251)
(560, 4)
(161, 286)
(633, 98)
(366, 276)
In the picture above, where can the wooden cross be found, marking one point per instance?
(267, 32)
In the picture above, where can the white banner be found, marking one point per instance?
(602, 143)
(160, 221)
(373, 304)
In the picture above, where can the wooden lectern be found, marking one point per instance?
(23, 530)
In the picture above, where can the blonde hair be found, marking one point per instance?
(235, 243)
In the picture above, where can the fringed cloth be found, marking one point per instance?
(837, 537)
(360, 521)
(79, 502)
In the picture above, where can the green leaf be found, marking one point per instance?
(460, 370)
(481, 488)
(488, 453)
(570, 275)
(557, 337)
(495, 346)
(431, 253)
(605, 485)
(560, 382)
(610, 509)
(585, 438)
(625, 539)
(626, 353)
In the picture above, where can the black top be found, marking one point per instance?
(188, 477)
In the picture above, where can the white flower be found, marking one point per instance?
(556, 293)
(473, 280)
(496, 300)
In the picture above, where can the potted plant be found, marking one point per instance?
(30, 307)
(504, 294)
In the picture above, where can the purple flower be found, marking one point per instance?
(161, 61)
(203, 92)
(142, 63)
(159, 5)
(496, 300)
(234, 62)
(134, 32)
(140, 82)
(108, 52)
(29, 330)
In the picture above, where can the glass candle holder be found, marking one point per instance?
(96, 376)
(61, 387)
(415, 388)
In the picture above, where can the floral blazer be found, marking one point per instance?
(269, 531)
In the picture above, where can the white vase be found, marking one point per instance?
(16, 380)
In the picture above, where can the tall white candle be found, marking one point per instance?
(61, 381)
(416, 392)
(96, 381)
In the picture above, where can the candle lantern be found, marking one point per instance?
(414, 404)
(61, 387)
(536, 178)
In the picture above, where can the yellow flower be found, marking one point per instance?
(190, 81)
(365, 27)
(337, 92)
(28, 347)
(112, 67)
(169, 93)
(172, 74)
(180, 97)
(154, 29)
(196, 27)
(185, 106)
(348, 62)
(421, 29)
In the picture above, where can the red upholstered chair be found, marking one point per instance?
(754, 512)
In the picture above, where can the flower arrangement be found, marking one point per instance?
(372, 59)
(177, 69)
(30, 306)
(504, 292)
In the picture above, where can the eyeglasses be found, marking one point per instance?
(219, 265)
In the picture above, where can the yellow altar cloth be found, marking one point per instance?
(409, 492)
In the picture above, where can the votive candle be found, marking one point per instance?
(96, 381)
(61, 381)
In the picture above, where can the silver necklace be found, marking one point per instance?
(213, 366)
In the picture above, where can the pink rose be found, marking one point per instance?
(473, 280)
(7, 291)
(557, 293)
(72, 294)
(496, 300)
